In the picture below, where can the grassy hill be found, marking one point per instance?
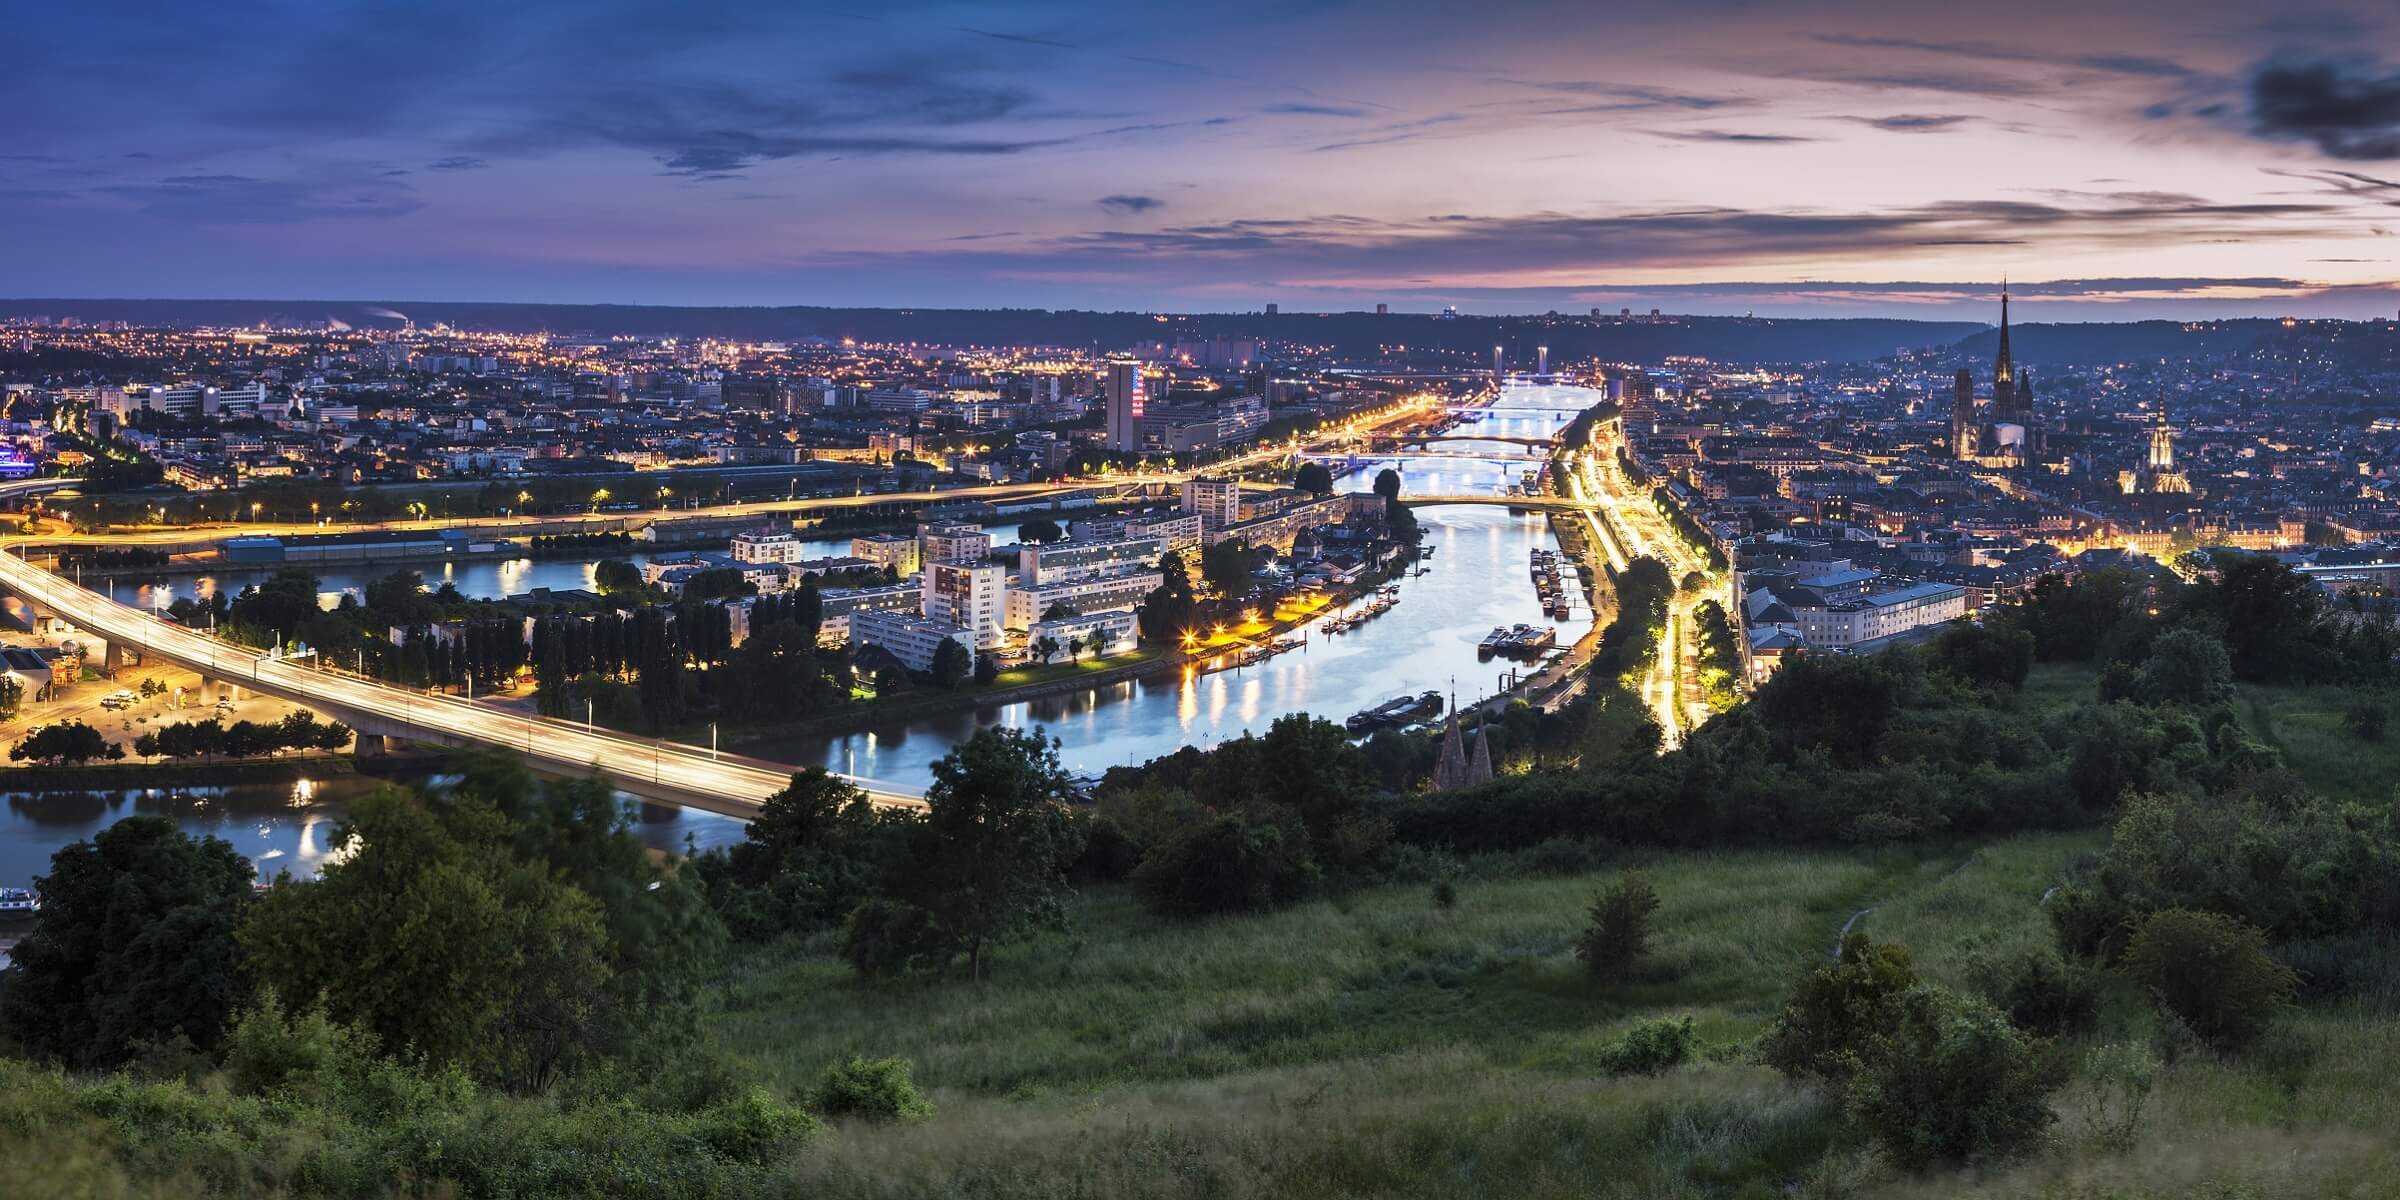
(1382, 1045)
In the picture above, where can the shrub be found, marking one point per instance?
(1952, 1081)
(2116, 1082)
(887, 937)
(2042, 995)
(2187, 666)
(1228, 863)
(2212, 971)
(1620, 930)
(754, 1126)
(875, 1089)
(1652, 1048)
(1836, 1009)
(1445, 894)
(2367, 716)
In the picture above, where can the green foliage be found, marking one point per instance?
(298, 730)
(987, 864)
(2076, 620)
(1171, 608)
(70, 742)
(1313, 477)
(1995, 654)
(1652, 1048)
(1040, 529)
(12, 694)
(1951, 1081)
(2367, 716)
(2289, 862)
(1231, 862)
(1619, 933)
(2042, 994)
(876, 1089)
(615, 576)
(2187, 666)
(808, 857)
(1836, 1010)
(1387, 485)
(134, 944)
(2213, 972)
(951, 663)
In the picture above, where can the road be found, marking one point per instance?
(657, 769)
(1671, 684)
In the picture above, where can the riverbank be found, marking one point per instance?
(136, 774)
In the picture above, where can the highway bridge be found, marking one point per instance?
(1543, 504)
(1421, 439)
(653, 769)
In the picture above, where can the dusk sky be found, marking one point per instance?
(2200, 158)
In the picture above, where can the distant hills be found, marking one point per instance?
(1350, 334)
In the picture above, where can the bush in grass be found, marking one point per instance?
(2042, 994)
(1951, 1081)
(1836, 1009)
(1234, 862)
(2367, 716)
(876, 1089)
(1619, 934)
(2212, 971)
(1652, 1048)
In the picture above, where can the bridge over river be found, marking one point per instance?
(653, 769)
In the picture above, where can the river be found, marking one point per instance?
(1477, 578)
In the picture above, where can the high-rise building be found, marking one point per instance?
(1541, 360)
(1124, 387)
(1383, 310)
(972, 596)
(1218, 501)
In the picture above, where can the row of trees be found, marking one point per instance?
(298, 730)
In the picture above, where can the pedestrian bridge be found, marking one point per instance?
(654, 769)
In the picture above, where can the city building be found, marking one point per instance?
(1123, 387)
(766, 546)
(896, 552)
(952, 543)
(1026, 605)
(913, 640)
(972, 596)
(1067, 562)
(1218, 502)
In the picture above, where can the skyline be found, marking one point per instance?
(1712, 159)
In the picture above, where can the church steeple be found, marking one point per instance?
(2003, 371)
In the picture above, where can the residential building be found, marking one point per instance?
(896, 552)
(914, 640)
(969, 595)
(952, 543)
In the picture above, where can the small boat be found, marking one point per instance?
(20, 900)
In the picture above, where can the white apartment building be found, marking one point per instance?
(766, 546)
(896, 551)
(1119, 631)
(1844, 624)
(914, 640)
(1065, 562)
(1180, 532)
(1025, 605)
(1218, 502)
(972, 596)
(951, 543)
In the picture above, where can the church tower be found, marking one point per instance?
(1965, 433)
(2004, 372)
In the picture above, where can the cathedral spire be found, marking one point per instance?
(2003, 371)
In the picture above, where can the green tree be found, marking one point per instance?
(1230, 862)
(1313, 477)
(1836, 1009)
(1170, 609)
(1951, 1081)
(71, 742)
(615, 576)
(12, 694)
(433, 938)
(134, 945)
(2212, 971)
(1226, 566)
(1619, 933)
(2187, 666)
(989, 863)
(1038, 530)
(1387, 485)
(951, 663)
(1045, 648)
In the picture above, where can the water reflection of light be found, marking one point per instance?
(304, 792)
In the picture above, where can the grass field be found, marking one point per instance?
(1383, 1045)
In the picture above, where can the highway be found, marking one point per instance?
(656, 769)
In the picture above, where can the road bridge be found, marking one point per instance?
(1422, 439)
(650, 768)
(1544, 504)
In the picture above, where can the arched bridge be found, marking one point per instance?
(653, 769)
(1546, 504)
(1424, 439)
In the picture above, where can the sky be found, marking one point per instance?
(1784, 157)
